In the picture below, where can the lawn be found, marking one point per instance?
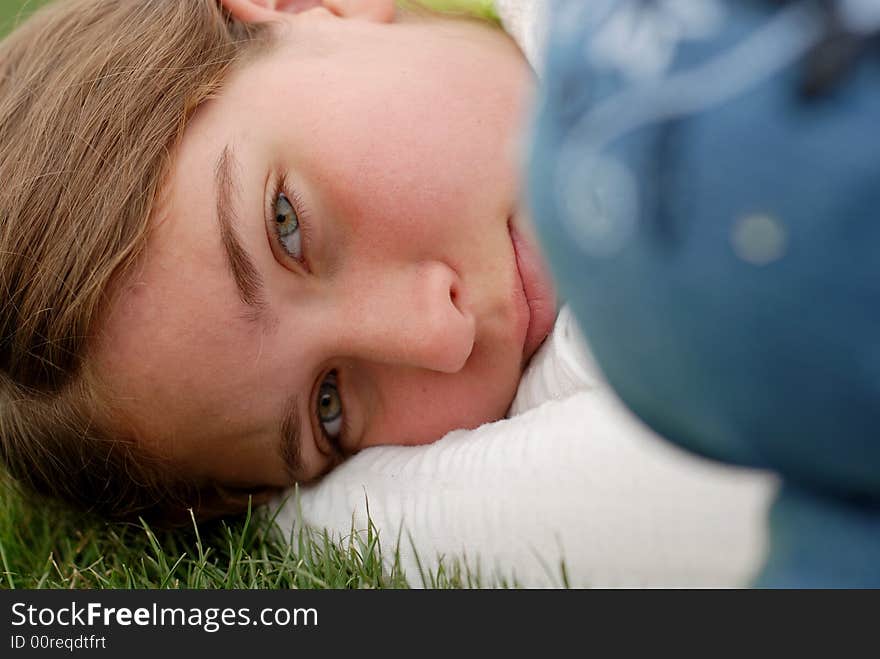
(42, 545)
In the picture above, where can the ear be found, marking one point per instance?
(378, 11)
(261, 11)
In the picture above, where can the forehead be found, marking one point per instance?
(177, 308)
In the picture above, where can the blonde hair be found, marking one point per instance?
(94, 95)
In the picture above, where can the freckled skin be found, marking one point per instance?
(400, 139)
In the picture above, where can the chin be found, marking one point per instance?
(496, 408)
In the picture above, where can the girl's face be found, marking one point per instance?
(333, 263)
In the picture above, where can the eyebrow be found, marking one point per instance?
(245, 274)
(250, 290)
(291, 439)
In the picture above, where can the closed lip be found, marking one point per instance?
(539, 291)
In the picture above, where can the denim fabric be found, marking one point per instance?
(705, 178)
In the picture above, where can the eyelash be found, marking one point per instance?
(281, 186)
(335, 443)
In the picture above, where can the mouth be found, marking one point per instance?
(538, 289)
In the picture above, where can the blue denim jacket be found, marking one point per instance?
(705, 177)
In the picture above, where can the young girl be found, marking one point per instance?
(243, 240)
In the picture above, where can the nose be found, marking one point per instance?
(414, 315)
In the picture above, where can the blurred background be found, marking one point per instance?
(11, 12)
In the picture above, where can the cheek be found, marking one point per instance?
(421, 409)
(393, 172)
(398, 197)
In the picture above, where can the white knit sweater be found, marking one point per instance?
(525, 21)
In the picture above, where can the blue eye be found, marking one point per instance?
(330, 407)
(287, 228)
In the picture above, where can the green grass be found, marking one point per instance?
(43, 545)
(12, 10)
